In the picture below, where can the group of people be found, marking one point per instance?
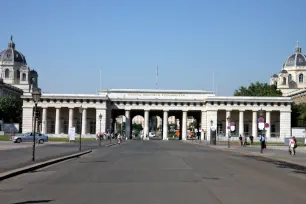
(244, 140)
(262, 140)
(109, 136)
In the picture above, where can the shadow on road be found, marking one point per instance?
(280, 164)
(34, 201)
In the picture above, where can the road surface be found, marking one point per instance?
(160, 172)
(14, 155)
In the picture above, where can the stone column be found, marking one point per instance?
(27, 119)
(241, 123)
(268, 120)
(84, 121)
(127, 124)
(212, 115)
(227, 131)
(146, 124)
(285, 124)
(44, 121)
(184, 125)
(70, 123)
(203, 124)
(165, 125)
(254, 124)
(103, 120)
(57, 120)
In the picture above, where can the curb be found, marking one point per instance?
(252, 154)
(261, 155)
(15, 172)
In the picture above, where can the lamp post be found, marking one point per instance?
(100, 117)
(36, 98)
(80, 111)
(229, 131)
(110, 130)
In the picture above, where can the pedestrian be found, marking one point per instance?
(240, 138)
(292, 145)
(251, 138)
(262, 143)
(244, 140)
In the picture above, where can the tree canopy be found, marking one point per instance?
(298, 115)
(258, 89)
(10, 109)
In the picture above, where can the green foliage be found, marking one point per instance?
(172, 126)
(258, 89)
(137, 127)
(10, 109)
(298, 115)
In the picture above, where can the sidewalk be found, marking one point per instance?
(19, 157)
(279, 153)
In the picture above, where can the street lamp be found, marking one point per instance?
(36, 98)
(100, 117)
(80, 111)
(110, 130)
(229, 131)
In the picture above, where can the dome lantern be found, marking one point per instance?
(298, 49)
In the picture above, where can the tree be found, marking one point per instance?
(137, 127)
(298, 115)
(258, 89)
(10, 109)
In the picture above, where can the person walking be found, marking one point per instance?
(251, 138)
(262, 143)
(244, 140)
(240, 138)
(292, 145)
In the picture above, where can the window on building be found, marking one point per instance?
(289, 77)
(284, 81)
(301, 78)
(7, 74)
(92, 127)
(246, 128)
(220, 128)
(18, 74)
(273, 129)
(24, 77)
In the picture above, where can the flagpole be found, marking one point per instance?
(100, 79)
(156, 76)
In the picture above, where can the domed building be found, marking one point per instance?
(292, 76)
(14, 69)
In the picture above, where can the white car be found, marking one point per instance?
(152, 134)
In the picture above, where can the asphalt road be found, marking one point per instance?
(160, 172)
(18, 157)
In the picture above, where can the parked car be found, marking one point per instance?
(152, 134)
(28, 137)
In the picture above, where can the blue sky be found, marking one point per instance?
(69, 42)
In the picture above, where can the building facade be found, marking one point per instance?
(292, 76)
(61, 111)
(9, 90)
(14, 70)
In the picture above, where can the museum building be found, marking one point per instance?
(92, 113)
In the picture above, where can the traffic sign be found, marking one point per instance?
(261, 126)
(261, 120)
